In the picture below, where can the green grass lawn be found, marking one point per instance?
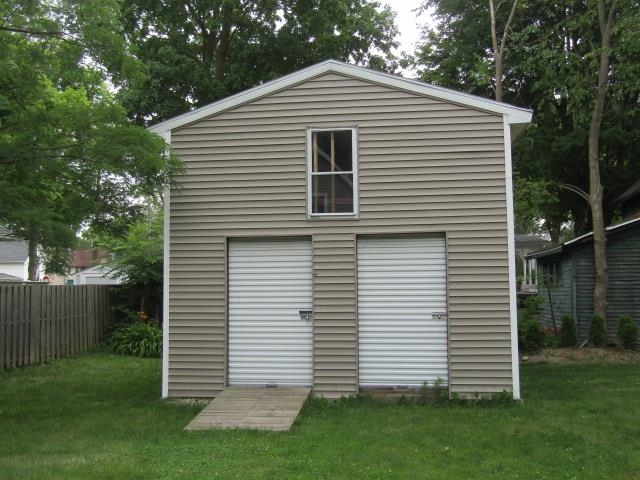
(99, 416)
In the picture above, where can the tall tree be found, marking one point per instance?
(606, 21)
(549, 65)
(68, 154)
(499, 42)
(198, 51)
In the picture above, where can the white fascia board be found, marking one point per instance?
(513, 305)
(165, 284)
(514, 115)
(622, 224)
(610, 228)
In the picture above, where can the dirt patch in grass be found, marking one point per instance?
(577, 355)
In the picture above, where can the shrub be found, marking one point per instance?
(568, 331)
(597, 331)
(550, 337)
(531, 338)
(627, 332)
(141, 339)
(531, 306)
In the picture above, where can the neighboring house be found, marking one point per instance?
(526, 269)
(98, 275)
(14, 256)
(81, 260)
(6, 278)
(569, 270)
(341, 228)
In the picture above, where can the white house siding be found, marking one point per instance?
(425, 167)
(17, 269)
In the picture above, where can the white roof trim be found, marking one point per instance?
(514, 115)
(560, 248)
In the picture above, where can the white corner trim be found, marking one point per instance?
(513, 305)
(513, 114)
(165, 284)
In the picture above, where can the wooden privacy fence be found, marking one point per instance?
(41, 322)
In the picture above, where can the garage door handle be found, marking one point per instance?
(305, 315)
(439, 316)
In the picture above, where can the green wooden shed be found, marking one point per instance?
(569, 272)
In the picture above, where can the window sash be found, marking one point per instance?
(311, 174)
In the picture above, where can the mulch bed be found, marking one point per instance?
(577, 355)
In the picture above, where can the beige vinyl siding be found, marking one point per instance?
(335, 322)
(424, 166)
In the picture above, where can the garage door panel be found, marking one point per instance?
(401, 284)
(269, 283)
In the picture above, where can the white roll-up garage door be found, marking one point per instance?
(269, 283)
(402, 304)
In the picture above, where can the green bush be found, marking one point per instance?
(550, 337)
(627, 332)
(568, 331)
(141, 339)
(597, 331)
(531, 307)
(531, 338)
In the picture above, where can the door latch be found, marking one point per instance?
(439, 316)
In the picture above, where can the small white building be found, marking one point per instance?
(98, 275)
(14, 256)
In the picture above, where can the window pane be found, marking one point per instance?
(332, 151)
(343, 150)
(321, 151)
(332, 193)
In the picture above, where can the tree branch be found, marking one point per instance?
(507, 27)
(576, 190)
(43, 33)
(494, 36)
(61, 147)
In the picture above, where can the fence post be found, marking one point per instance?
(3, 324)
(34, 323)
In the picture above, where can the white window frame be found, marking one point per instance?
(354, 172)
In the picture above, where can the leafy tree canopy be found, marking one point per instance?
(138, 260)
(68, 154)
(198, 51)
(551, 65)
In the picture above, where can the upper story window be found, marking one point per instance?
(332, 168)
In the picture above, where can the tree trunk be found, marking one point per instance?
(225, 41)
(595, 187)
(499, 45)
(34, 260)
(499, 94)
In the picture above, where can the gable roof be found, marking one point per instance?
(103, 269)
(13, 251)
(515, 115)
(587, 237)
(5, 277)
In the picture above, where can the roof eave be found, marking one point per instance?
(514, 115)
(610, 230)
